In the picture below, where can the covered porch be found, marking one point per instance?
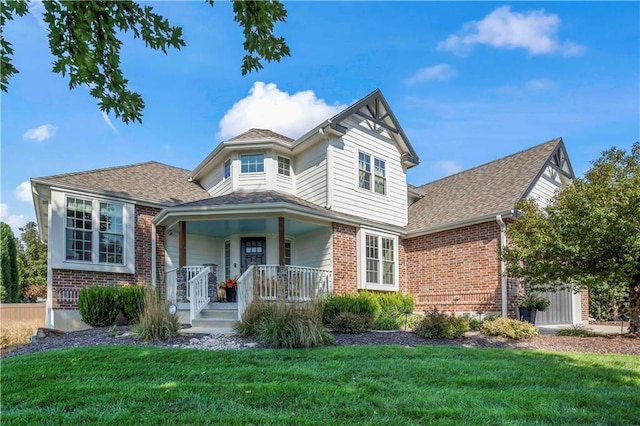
(274, 255)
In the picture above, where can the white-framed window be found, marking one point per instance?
(365, 174)
(94, 231)
(364, 170)
(227, 260)
(378, 260)
(252, 163)
(287, 252)
(284, 166)
(227, 169)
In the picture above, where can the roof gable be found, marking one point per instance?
(259, 134)
(375, 109)
(151, 181)
(489, 189)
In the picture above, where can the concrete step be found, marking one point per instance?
(208, 330)
(222, 306)
(223, 314)
(213, 323)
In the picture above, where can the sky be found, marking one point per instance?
(468, 82)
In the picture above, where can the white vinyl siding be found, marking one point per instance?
(215, 183)
(313, 249)
(348, 198)
(310, 169)
(200, 250)
(546, 186)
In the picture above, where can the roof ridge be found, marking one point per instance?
(104, 169)
(555, 140)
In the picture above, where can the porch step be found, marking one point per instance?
(222, 314)
(222, 306)
(214, 323)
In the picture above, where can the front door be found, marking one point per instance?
(253, 252)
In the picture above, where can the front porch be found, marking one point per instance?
(194, 290)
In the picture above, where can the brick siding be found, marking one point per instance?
(67, 283)
(585, 304)
(345, 259)
(460, 264)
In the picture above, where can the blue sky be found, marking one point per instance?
(469, 83)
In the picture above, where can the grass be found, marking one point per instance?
(17, 333)
(577, 330)
(341, 385)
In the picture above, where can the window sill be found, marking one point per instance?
(94, 267)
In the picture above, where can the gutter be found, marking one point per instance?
(503, 264)
(457, 224)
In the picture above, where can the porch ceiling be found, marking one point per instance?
(224, 228)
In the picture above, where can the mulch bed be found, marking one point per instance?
(613, 344)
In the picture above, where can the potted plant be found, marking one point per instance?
(232, 285)
(529, 305)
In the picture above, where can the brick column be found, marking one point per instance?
(212, 281)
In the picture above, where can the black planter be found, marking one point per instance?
(231, 294)
(528, 315)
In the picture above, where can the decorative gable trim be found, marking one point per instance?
(375, 108)
(559, 161)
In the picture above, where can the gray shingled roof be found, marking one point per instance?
(491, 188)
(254, 197)
(253, 134)
(150, 181)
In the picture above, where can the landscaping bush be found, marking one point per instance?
(98, 305)
(291, 326)
(348, 322)
(132, 301)
(16, 333)
(31, 292)
(255, 313)
(362, 303)
(438, 325)
(507, 327)
(388, 321)
(155, 322)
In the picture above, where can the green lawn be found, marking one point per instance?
(342, 385)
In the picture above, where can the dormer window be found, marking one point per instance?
(227, 169)
(252, 163)
(284, 166)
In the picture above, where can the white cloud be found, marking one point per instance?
(267, 107)
(442, 72)
(23, 191)
(531, 87)
(448, 167)
(107, 120)
(534, 31)
(15, 221)
(40, 133)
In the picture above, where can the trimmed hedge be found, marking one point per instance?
(380, 311)
(507, 327)
(132, 302)
(98, 306)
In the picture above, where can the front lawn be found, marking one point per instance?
(342, 385)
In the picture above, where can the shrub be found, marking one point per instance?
(577, 330)
(348, 322)
(155, 322)
(361, 303)
(507, 327)
(438, 325)
(255, 313)
(33, 291)
(98, 305)
(292, 326)
(388, 321)
(132, 301)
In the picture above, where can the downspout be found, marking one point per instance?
(153, 255)
(503, 264)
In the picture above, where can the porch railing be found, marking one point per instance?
(171, 277)
(199, 291)
(290, 283)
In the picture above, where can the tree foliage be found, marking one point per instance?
(9, 275)
(32, 257)
(85, 39)
(588, 236)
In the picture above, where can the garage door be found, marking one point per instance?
(560, 310)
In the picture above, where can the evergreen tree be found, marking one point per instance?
(9, 275)
(32, 257)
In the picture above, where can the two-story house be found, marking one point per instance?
(330, 211)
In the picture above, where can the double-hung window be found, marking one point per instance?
(380, 261)
(79, 229)
(284, 166)
(227, 169)
(252, 163)
(365, 173)
(111, 246)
